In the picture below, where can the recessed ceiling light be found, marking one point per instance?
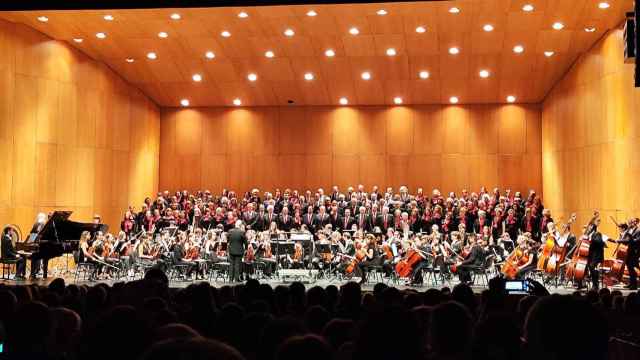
(330, 53)
(78, 40)
(527, 7)
(603, 5)
(163, 35)
(252, 77)
(108, 17)
(557, 26)
(382, 12)
(175, 16)
(43, 18)
(269, 54)
(590, 29)
(209, 55)
(365, 75)
(184, 102)
(391, 52)
(454, 10)
(423, 74)
(289, 32)
(344, 101)
(354, 31)
(484, 74)
(197, 77)
(225, 33)
(421, 29)
(243, 15)
(454, 50)
(101, 35)
(549, 53)
(152, 56)
(311, 13)
(511, 99)
(518, 49)
(237, 102)
(130, 60)
(308, 76)
(397, 100)
(454, 99)
(487, 27)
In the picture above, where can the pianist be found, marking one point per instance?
(8, 252)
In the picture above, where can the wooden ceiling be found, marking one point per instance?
(168, 79)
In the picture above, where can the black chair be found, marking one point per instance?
(483, 270)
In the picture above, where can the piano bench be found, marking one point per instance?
(6, 265)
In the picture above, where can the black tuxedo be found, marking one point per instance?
(9, 253)
(346, 223)
(250, 219)
(236, 243)
(385, 225)
(310, 221)
(364, 222)
(269, 218)
(285, 224)
(261, 222)
(322, 221)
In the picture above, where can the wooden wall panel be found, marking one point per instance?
(589, 131)
(66, 130)
(446, 147)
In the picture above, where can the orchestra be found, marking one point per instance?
(349, 234)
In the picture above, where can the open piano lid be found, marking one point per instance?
(60, 228)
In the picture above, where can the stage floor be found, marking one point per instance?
(177, 284)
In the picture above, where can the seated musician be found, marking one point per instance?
(421, 244)
(10, 253)
(529, 257)
(180, 252)
(372, 257)
(84, 255)
(473, 261)
(440, 252)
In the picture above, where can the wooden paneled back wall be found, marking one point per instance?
(591, 137)
(73, 135)
(445, 147)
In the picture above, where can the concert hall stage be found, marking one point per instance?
(180, 284)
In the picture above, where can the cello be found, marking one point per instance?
(577, 268)
(559, 252)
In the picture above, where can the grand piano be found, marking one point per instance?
(58, 236)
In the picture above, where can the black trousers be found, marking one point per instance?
(417, 277)
(235, 267)
(38, 262)
(525, 270)
(464, 272)
(632, 263)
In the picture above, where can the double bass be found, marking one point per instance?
(577, 268)
(618, 263)
(559, 253)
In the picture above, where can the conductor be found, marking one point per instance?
(236, 243)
